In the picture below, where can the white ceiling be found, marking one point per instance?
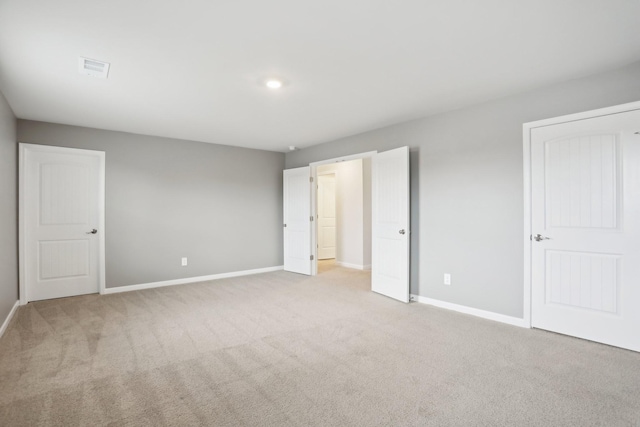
(190, 69)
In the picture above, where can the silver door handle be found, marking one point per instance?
(540, 237)
(401, 231)
(94, 231)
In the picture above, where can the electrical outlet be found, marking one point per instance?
(184, 261)
(447, 278)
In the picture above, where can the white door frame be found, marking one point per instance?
(526, 129)
(23, 147)
(314, 200)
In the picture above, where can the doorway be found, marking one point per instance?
(389, 220)
(343, 214)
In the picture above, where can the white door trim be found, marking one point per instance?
(23, 147)
(526, 130)
(314, 198)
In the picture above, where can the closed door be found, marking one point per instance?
(61, 211)
(586, 229)
(390, 224)
(326, 216)
(297, 220)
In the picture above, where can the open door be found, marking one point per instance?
(390, 224)
(297, 220)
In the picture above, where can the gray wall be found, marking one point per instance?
(8, 210)
(467, 186)
(219, 206)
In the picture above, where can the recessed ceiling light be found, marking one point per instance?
(273, 84)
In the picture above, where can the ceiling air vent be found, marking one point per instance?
(91, 67)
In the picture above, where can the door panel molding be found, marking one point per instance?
(23, 149)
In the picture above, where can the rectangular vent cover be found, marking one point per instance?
(92, 67)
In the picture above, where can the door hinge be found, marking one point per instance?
(310, 179)
(311, 257)
(311, 218)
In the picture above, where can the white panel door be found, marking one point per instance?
(586, 229)
(61, 210)
(390, 224)
(297, 220)
(326, 216)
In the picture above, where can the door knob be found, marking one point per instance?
(401, 231)
(539, 237)
(94, 231)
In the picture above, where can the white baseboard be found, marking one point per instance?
(355, 266)
(515, 321)
(6, 322)
(190, 280)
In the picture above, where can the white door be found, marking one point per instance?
(297, 220)
(327, 216)
(61, 214)
(390, 224)
(586, 210)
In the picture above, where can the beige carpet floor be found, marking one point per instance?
(281, 349)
